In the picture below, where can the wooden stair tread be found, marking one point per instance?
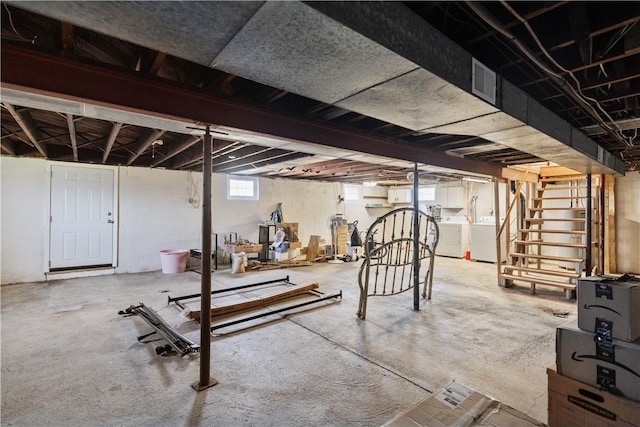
(542, 271)
(542, 230)
(549, 257)
(555, 219)
(561, 198)
(575, 187)
(557, 209)
(563, 178)
(538, 280)
(558, 244)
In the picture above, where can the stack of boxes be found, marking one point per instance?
(597, 381)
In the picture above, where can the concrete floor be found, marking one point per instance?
(68, 358)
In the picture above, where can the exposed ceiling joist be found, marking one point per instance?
(25, 121)
(113, 134)
(72, 136)
(188, 142)
(8, 147)
(145, 144)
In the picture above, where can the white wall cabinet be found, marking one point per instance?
(399, 195)
(450, 197)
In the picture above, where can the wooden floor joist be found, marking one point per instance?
(256, 302)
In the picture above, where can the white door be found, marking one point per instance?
(82, 217)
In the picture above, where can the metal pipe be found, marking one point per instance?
(416, 240)
(205, 279)
(588, 219)
(280, 310)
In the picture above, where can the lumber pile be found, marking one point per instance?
(255, 302)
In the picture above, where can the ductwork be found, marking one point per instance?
(375, 58)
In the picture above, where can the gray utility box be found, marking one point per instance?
(612, 365)
(610, 302)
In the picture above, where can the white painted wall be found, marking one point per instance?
(155, 214)
(23, 225)
(627, 189)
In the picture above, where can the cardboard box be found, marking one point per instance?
(294, 253)
(458, 405)
(575, 404)
(617, 368)
(295, 245)
(616, 302)
(281, 256)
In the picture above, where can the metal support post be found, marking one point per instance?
(205, 279)
(416, 240)
(588, 228)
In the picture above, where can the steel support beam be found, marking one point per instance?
(205, 279)
(22, 70)
(416, 239)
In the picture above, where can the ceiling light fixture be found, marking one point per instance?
(369, 183)
(153, 147)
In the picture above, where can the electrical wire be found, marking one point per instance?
(194, 197)
(32, 41)
(569, 72)
(562, 82)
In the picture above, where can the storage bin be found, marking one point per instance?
(173, 260)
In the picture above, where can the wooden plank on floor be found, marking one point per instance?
(256, 302)
(313, 247)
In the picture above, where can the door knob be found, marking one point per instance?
(109, 221)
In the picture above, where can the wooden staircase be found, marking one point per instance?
(551, 248)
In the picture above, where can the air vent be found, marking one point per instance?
(483, 82)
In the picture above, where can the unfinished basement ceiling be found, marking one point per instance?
(323, 69)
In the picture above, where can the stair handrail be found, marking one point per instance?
(506, 216)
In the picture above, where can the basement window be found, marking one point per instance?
(427, 194)
(351, 192)
(242, 188)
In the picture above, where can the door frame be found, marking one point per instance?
(116, 209)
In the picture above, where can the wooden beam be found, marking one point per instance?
(255, 302)
(145, 144)
(496, 212)
(8, 146)
(115, 129)
(157, 63)
(610, 261)
(68, 36)
(28, 126)
(72, 136)
(506, 216)
(186, 144)
(517, 175)
(558, 171)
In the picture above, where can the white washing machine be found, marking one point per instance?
(483, 240)
(454, 236)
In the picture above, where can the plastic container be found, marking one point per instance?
(173, 260)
